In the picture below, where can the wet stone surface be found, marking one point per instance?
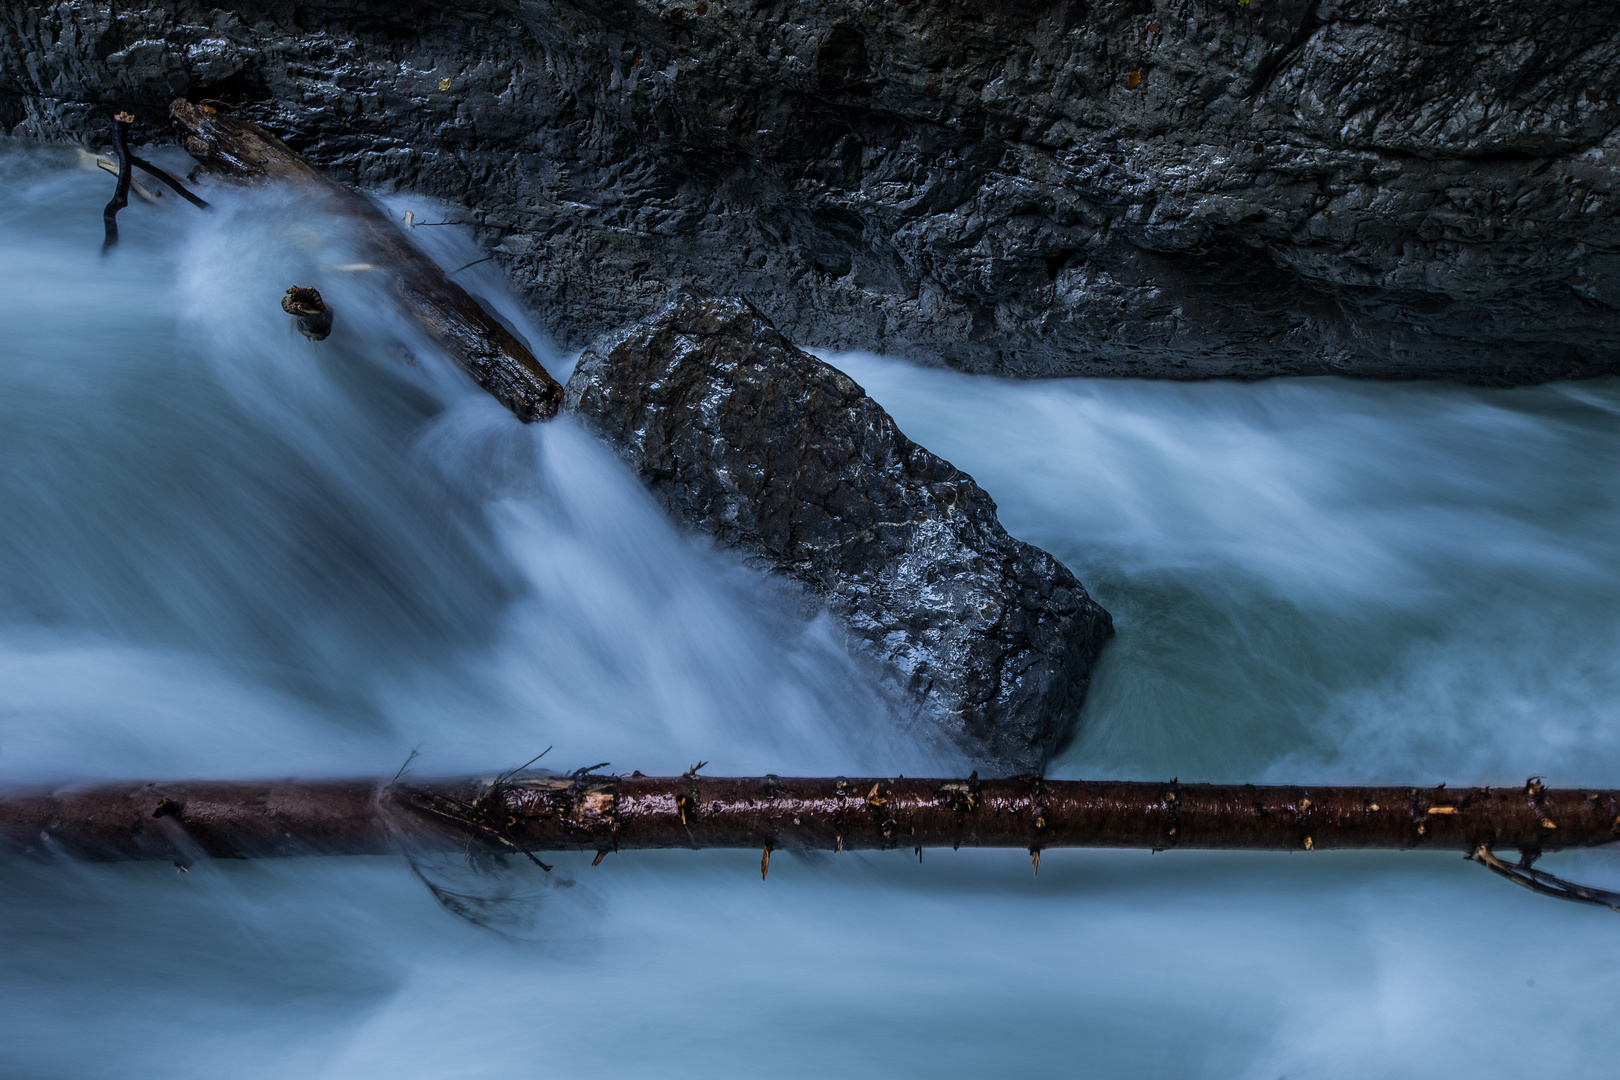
(782, 457)
(1167, 188)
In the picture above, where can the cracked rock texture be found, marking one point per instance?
(785, 459)
(1179, 188)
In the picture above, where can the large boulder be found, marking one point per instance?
(783, 457)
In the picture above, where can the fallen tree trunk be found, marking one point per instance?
(485, 349)
(243, 819)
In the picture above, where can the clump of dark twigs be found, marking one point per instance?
(127, 161)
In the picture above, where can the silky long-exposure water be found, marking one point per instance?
(226, 551)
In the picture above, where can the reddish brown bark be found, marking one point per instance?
(181, 821)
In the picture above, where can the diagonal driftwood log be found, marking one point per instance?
(490, 353)
(246, 819)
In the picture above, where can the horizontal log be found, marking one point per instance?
(183, 821)
(473, 338)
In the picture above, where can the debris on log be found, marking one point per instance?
(485, 349)
(524, 814)
(314, 317)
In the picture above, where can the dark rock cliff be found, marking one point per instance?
(1136, 187)
(784, 459)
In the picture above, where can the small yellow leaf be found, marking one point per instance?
(444, 84)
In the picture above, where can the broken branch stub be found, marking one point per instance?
(305, 304)
(485, 349)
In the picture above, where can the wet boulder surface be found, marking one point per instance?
(783, 458)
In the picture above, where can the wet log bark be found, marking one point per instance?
(485, 349)
(183, 821)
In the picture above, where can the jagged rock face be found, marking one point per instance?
(785, 459)
(1132, 187)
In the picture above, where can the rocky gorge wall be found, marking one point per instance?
(1171, 188)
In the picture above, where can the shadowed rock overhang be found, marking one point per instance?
(1168, 188)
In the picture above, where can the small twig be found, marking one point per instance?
(476, 816)
(479, 816)
(179, 188)
(691, 774)
(410, 221)
(1539, 881)
(505, 776)
(577, 773)
(414, 751)
(475, 262)
(136, 186)
(526, 852)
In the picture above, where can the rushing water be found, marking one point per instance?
(225, 551)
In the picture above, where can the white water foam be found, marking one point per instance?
(225, 551)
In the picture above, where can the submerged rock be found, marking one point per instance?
(783, 457)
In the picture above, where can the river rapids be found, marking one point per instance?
(228, 552)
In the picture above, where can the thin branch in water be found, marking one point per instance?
(475, 262)
(120, 199)
(140, 189)
(1539, 881)
(126, 161)
(179, 188)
